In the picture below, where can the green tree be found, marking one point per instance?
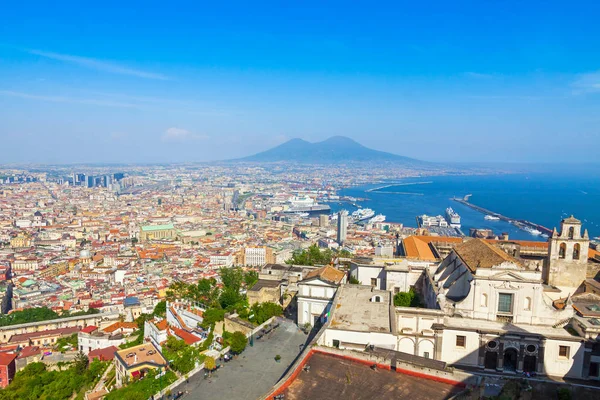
(210, 364)
(230, 298)
(81, 362)
(238, 342)
(354, 280)
(407, 299)
(28, 315)
(160, 310)
(250, 278)
(232, 278)
(263, 311)
(311, 256)
(211, 316)
(344, 254)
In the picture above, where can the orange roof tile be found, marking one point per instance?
(327, 273)
(415, 247)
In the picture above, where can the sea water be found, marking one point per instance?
(542, 198)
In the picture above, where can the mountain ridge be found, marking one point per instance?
(334, 149)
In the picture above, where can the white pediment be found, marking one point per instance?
(315, 282)
(507, 276)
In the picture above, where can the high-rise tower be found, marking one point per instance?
(342, 227)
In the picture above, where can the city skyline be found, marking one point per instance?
(446, 83)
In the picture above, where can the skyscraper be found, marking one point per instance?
(342, 227)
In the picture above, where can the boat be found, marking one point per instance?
(452, 217)
(491, 218)
(532, 231)
(362, 214)
(377, 218)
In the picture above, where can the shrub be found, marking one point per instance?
(238, 342)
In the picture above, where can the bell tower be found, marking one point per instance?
(567, 254)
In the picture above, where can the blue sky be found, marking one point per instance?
(440, 81)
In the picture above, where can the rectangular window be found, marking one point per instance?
(396, 290)
(461, 341)
(563, 351)
(373, 281)
(505, 302)
(426, 354)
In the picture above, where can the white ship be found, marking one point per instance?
(377, 218)
(305, 201)
(426, 221)
(491, 218)
(362, 214)
(452, 217)
(532, 231)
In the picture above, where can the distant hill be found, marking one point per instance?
(336, 149)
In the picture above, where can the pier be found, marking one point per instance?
(397, 184)
(520, 223)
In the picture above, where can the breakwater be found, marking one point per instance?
(521, 223)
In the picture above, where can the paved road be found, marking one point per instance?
(254, 372)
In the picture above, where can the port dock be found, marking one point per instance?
(520, 223)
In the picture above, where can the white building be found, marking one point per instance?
(360, 317)
(255, 256)
(487, 309)
(225, 260)
(94, 339)
(315, 294)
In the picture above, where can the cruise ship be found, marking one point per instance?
(452, 217)
(377, 218)
(308, 205)
(362, 214)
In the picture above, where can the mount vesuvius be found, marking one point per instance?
(336, 149)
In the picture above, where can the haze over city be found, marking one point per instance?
(466, 81)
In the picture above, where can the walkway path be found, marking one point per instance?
(254, 372)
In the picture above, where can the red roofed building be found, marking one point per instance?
(105, 354)
(89, 329)
(7, 368)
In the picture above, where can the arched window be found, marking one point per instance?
(571, 233)
(562, 251)
(484, 300)
(528, 303)
(376, 299)
(576, 251)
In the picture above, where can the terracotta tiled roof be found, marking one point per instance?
(415, 247)
(477, 253)
(119, 325)
(328, 274)
(187, 337)
(105, 354)
(162, 325)
(7, 358)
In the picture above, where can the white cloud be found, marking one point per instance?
(99, 65)
(587, 83)
(181, 135)
(66, 99)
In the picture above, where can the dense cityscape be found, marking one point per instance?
(157, 277)
(299, 201)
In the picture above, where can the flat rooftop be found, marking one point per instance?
(334, 378)
(264, 283)
(362, 308)
(144, 353)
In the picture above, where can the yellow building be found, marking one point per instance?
(158, 232)
(135, 362)
(20, 241)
